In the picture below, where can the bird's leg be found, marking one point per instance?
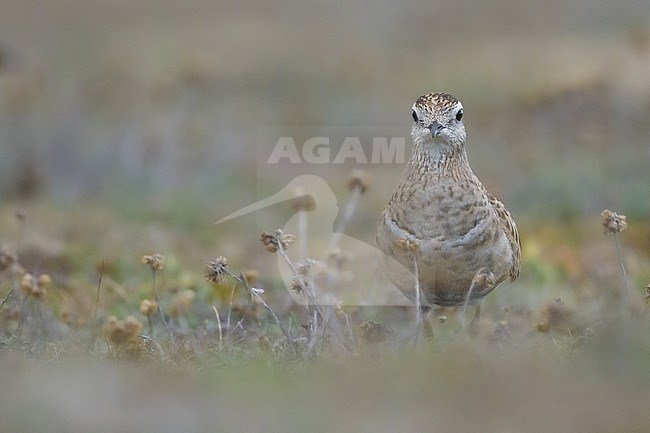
(483, 279)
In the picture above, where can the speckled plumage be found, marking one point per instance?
(463, 238)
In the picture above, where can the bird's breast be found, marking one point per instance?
(442, 210)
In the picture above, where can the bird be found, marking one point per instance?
(447, 241)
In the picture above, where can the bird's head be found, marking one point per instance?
(438, 120)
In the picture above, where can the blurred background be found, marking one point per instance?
(152, 100)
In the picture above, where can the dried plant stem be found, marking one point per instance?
(93, 315)
(160, 311)
(150, 322)
(275, 316)
(99, 287)
(314, 310)
(243, 282)
(216, 313)
(232, 296)
(347, 216)
(319, 338)
(310, 295)
(627, 294)
(311, 298)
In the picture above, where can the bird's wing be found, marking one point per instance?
(510, 228)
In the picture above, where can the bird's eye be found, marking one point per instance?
(459, 115)
(415, 116)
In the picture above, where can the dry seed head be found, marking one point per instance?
(156, 261)
(31, 286)
(613, 222)
(122, 332)
(148, 307)
(216, 270)
(6, 260)
(273, 242)
(295, 286)
(305, 267)
(44, 281)
(555, 315)
(28, 283)
(373, 332)
(358, 179)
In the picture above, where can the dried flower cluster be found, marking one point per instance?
(304, 268)
(148, 307)
(373, 332)
(295, 286)
(555, 315)
(122, 332)
(156, 261)
(216, 270)
(35, 287)
(613, 222)
(274, 242)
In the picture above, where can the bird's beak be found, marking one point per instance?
(435, 129)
